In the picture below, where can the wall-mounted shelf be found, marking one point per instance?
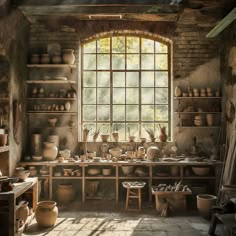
(4, 149)
(179, 98)
(51, 65)
(51, 81)
(195, 112)
(52, 113)
(58, 99)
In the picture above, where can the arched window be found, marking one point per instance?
(125, 85)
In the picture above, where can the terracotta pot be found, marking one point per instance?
(46, 213)
(153, 152)
(56, 59)
(205, 203)
(50, 151)
(23, 212)
(209, 119)
(65, 193)
(3, 139)
(163, 137)
(45, 59)
(68, 56)
(34, 59)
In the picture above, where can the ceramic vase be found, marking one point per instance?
(45, 59)
(23, 212)
(67, 106)
(153, 152)
(65, 193)
(163, 137)
(68, 56)
(36, 144)
(178, 91)
(56, 59)
(46, 213)
(3, 139)
(209, 119)
(50, 151)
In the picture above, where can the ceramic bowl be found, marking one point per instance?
(201, 170)
(52, 121)
(127, 170)
(23, 175)
(105, 137)
(96, 159)
(37, 158)
(115, 152)
(106, 171)
(94, 171)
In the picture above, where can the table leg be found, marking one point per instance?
(214, 222)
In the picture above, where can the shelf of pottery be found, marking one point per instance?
(67, 181)
(198, 107)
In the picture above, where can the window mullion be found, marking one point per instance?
(140, 91)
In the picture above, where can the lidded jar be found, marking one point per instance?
(45, 59)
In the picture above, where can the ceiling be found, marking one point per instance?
(201, 12)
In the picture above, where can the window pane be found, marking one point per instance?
(147, 113)
(90, 47)
(145, 126)
(148, 62)
(89, 113)
(160, 48)
(118, 95)
(147, 79)
(161, 62)
(89, 95)
(103, 79)
(118, 44)
(118, 62)
(103, 96)
(103, 113)
(118, 79)
(147, 96)
(132, 45)
(132, 95)
(161, 79)
(147, 46)
(161, 95)
(133, 62)
(161, 113)
(157, 129)
(89, 79)
(134, 129)
(132, 79)
(118, 112)
(89, 62)
(103, 45)
(132, 113)
(103, 61)
(120, 127)
(104, 128)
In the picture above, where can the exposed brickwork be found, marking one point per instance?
(190, 47)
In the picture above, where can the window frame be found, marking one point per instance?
(139, 71)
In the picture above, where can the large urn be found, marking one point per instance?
(50, 151)
(23, 212)
(68, 56)
(153, 152)
(46, 213)
(65, 193)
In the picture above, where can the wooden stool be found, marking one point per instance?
(133, 192)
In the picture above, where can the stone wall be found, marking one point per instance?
(195, 59)
(14, 39)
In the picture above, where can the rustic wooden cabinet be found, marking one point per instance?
(11, 201)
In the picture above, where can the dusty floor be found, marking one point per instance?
(100, 219)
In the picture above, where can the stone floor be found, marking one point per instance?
(105, 219)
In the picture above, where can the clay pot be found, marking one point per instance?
(3, 139)
(45, 59)
(34, 59)
(153, 152)
(163, 137)
(50, 151)
(46, 213)
(68, 56)
(209, 119)
(33, 171)
(178, 91)
(92, 187)
(36, 144)
(56, 59)
(23, 212)
(65, 193)
(205, 203)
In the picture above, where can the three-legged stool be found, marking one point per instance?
(133, 192)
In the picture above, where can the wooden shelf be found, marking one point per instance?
(62, 99)
(51, 112)
(179, 98)
(51, 65)
(200, 177)
(54, 127)
(198, 127)
(4, 149)
(4, 99)
(51, 81)
(169, 177)
(133, 177)
(103, 177)
(64, 177)
(195, 112)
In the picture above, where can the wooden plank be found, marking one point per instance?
(224, 23)
(50, 82)
(4, 149)
(51, 65)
